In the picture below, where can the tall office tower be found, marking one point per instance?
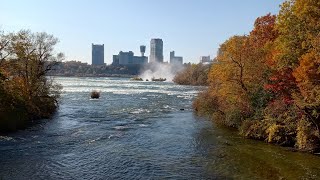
(97, 54)
(156, 50)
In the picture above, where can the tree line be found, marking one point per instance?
(267, 83)
(26, 93)
(80, 69)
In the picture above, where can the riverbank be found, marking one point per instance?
(266, 84)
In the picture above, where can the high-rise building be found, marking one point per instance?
(205, 59)
(156, 50)
(97, 54)
(175, 60)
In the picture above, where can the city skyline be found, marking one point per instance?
(193, 28)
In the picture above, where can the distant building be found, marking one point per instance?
(142, 50)
(205, 59)
(156, 50)
(128, 58)
(97, 54)
(176, 60)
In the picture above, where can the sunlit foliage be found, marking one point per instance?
(267, 83)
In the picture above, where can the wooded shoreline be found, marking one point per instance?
(266, 84)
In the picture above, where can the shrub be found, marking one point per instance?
(254, 129)
(281, 134)
(205, 104)
(307, 136)
(195, 74)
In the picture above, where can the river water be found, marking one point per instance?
(138, 130)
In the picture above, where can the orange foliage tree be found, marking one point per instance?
(237, 79)
(268, 82)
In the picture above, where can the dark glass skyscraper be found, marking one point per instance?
(156, 50)
(97, 54)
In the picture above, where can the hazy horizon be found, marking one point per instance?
(191, 29)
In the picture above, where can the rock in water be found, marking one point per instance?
(95, 94)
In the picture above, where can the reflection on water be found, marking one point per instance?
(137, 131)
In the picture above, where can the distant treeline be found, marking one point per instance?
(25, 91)
(193, 74)
(267, 84)
(77, 68)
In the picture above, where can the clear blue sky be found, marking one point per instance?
(192, 28)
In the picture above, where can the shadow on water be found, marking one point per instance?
(230, 155)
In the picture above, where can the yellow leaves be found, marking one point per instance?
(241, 70)
(308, 77)
(308, 70)
(298, 24)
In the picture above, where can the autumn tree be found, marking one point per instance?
(233, 58)
(297, 62)
(237, 79)
(264, 31)
(228, 80)
(298, 23)
(268, 82)
(26, 59)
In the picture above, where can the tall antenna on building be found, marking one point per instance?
(142, 50)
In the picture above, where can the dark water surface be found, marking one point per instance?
(136, 130)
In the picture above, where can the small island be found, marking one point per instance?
(136, 79)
